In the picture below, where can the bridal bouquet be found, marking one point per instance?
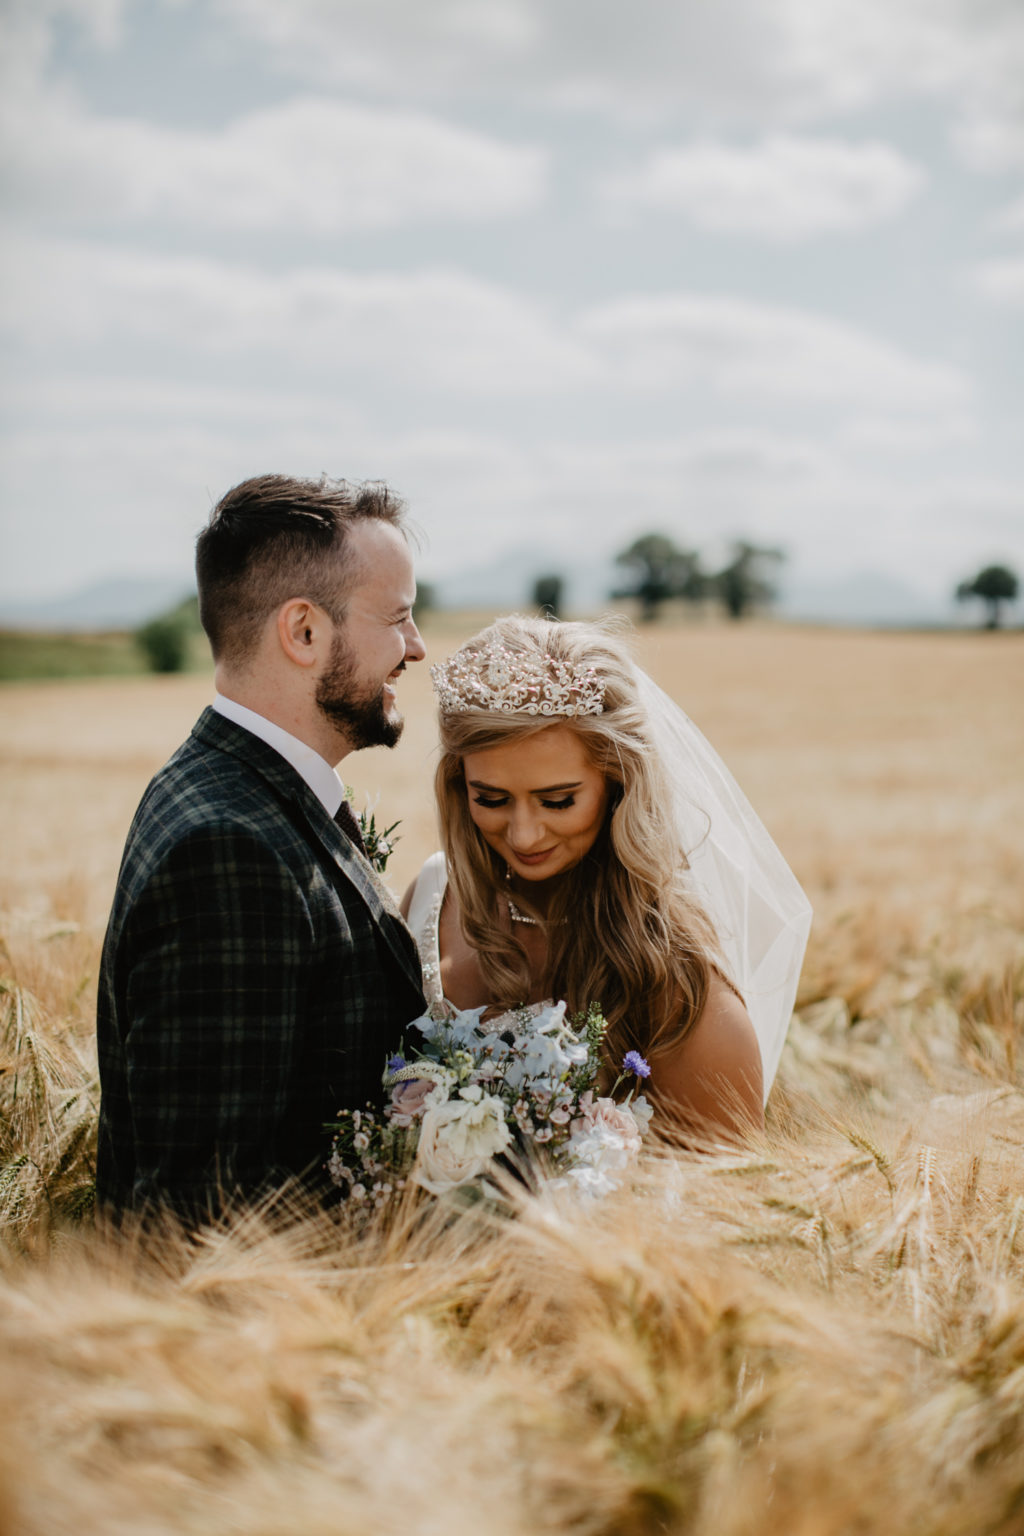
(466, 1096)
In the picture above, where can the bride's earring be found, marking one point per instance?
(508, 872)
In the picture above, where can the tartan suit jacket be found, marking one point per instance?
(254, 975)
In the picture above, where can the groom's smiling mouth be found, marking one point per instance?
(392, 679)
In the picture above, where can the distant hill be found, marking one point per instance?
(863, 597)
(121, 602)
(506, 582)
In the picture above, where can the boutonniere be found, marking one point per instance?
(378, 843)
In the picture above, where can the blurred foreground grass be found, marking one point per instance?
(823, 1335)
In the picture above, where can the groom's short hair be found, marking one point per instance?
(273, 538)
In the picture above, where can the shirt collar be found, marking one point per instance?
(314, 769)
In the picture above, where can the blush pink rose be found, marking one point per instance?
(609, 1116)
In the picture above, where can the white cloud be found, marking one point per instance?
(785, 188)
(993, 140)
(1001, 282)
(450, 331)
(587, 52)
(306, 165)
(906, 437)
(418, 331)
(766, 352)
(143, 464)
(741, 61)
(857, 53)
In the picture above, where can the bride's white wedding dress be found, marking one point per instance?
(424, 922)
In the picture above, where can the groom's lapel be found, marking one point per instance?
(215, 730)
(359, 872)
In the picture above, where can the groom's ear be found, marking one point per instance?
(304, 631)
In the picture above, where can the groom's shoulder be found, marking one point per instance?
(215, 764)
(221, 779)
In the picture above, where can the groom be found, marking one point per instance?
(254, 972)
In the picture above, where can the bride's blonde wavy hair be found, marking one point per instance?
(638, 943)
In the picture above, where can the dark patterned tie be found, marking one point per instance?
(348, 824)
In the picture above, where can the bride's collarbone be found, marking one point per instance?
(462, 979)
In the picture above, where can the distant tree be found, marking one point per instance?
(995, 585)
(748, 581)
(165, 640)
(547, 596)
(658, 570)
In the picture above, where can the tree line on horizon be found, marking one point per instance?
(655, 569)
(658, 571)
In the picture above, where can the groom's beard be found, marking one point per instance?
(360, 716)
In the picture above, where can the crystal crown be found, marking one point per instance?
(511, 683)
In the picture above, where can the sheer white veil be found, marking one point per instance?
(761, 915)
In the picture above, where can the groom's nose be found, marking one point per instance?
(415, 650)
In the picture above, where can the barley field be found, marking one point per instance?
(821, 1335)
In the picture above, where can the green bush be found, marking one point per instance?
(166, 641)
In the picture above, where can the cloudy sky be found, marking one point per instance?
(562, 271)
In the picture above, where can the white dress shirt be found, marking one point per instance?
(316, 770)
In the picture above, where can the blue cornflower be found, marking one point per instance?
(396, 1063)
(634, 1062)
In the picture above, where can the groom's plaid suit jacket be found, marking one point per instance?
(253, 977)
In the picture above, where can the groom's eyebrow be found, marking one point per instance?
(550, 789)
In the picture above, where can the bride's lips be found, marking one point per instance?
(532, 858)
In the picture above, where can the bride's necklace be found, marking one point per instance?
(523, 917)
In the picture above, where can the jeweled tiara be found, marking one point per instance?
(512, 683)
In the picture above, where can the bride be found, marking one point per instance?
(596, 850)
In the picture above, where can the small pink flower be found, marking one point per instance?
(409, 1098)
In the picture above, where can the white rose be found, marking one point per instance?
(458, 1140)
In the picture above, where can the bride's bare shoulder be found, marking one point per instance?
(713, 1080)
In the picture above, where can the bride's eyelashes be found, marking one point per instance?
(549, 805)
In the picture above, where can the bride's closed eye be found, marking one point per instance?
(490, 804)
